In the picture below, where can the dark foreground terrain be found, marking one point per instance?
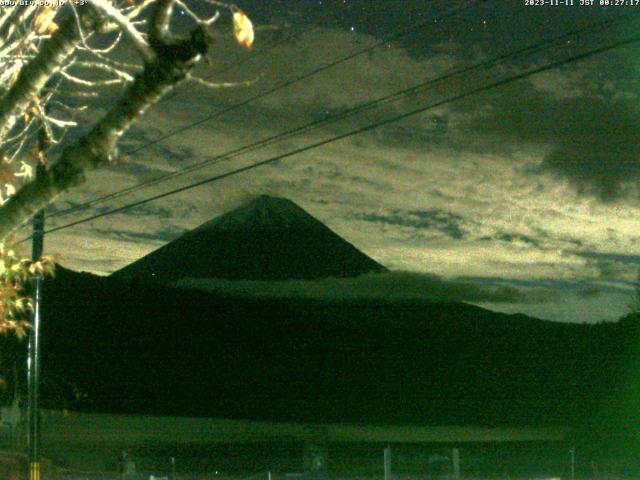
(112, 346)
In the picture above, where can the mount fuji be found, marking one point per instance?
(268, 238)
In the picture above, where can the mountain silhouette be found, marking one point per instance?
(268, 238)
(163, 350)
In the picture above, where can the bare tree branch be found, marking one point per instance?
(134, 11)
(206, 22)
(147, 53)
(99, 146)
(12, 17)
(218, 85)
(90, 83)
(160, 22)
(35, 74)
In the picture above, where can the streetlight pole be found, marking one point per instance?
(33, 360)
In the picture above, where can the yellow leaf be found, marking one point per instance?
(243, 29)
(44, 21)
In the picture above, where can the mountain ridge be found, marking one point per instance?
(268, 238)
(171, 351)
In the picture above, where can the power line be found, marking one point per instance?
(450, 13)
(241, 61)
(278, 43)
(340, 116)
(474, 91)
(252, 56)
(304, 76)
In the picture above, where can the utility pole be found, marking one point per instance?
(33, 360)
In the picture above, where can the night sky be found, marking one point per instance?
(532, 185)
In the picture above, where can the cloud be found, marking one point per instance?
(589, 292)
(165, 234)
(392, 286)
(600, 155)
(377, 73)
(440, 220)
(611, 266)
(586, 126)
(515, 238)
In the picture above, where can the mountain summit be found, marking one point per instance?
(268, 238)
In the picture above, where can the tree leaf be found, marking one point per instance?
(44, 21)
(243, 29)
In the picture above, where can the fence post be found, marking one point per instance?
(387, 464)
(456, 464)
